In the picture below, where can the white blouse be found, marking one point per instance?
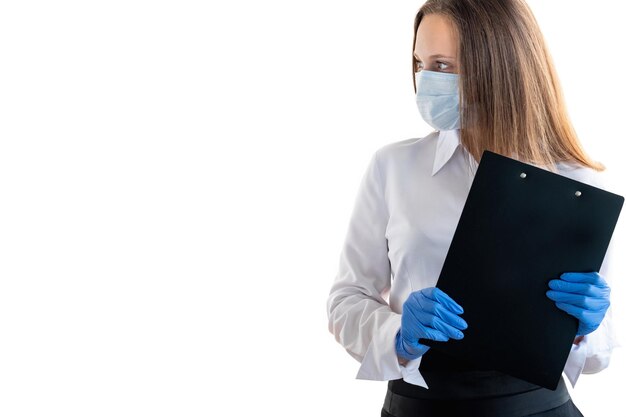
(407, 207)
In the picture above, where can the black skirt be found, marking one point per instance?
(460, 389)
(566, 410)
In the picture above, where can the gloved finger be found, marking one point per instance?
(436, 309)
(572, 310)
(432, 322)
(578, 288)
(588, 277)
(446, 329)
(433, 334)
(587, 319)
(588, 303)
(423, 331)
(449, 317)
(583, 315)
(438, 295)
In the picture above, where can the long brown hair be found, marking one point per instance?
(510, 94)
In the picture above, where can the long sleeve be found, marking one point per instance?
(593, 353)
(358, 315)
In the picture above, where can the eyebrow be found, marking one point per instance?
(434, 56)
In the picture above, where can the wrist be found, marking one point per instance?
(401, 350)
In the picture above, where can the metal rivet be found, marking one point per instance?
(522, 175)
(577, 193)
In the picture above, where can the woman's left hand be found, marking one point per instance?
(584, 295)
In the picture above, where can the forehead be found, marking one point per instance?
(435, 35)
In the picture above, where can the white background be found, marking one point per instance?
(176, 179)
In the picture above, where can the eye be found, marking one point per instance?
(419, 65)
(442, 63)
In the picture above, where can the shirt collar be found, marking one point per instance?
(447, 143)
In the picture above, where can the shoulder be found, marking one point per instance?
(583, 174)
(405, 150)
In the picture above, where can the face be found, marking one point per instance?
(436, 45)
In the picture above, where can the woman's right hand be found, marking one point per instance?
(428, 314)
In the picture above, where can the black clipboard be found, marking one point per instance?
(520, 227)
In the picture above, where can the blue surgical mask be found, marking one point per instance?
(438, 99)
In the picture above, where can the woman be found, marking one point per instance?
(484, 79)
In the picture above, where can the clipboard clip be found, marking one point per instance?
(577, 193)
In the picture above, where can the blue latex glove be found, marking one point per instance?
(428, 314)
(584, 295)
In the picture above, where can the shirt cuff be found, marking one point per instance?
(411, 373)
(380, 362)
(576, 361)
